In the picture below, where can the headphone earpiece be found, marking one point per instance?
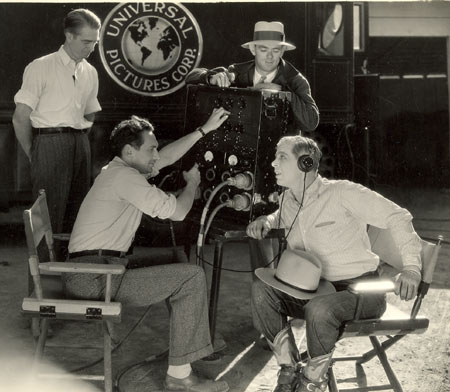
(305, 163)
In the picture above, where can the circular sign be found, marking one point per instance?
(149, 48)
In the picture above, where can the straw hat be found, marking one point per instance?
(298, 274)
(270, 32)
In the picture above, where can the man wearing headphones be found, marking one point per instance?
(328, 219)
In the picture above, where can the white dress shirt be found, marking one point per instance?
(112, 210)
(57, 99)
(269, 77)
(332, 224)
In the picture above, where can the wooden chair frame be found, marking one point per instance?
(46, 305)
(394, 324)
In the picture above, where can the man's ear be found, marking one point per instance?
(69, 36)
(127, 150)
(251, 47)
(283, 49)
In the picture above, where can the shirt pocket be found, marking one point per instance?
(324, 237)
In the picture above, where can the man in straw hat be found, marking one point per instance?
(324, 220)
(267, 71)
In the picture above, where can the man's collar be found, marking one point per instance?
(270, 77)
(313, 189)
(65, 58)
(314, 186)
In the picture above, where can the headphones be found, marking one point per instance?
(305, 163)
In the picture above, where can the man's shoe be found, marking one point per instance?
(193, 383)
(287, 379)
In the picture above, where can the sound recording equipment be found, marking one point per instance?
(240, 152)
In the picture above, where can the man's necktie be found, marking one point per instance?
(263, 79)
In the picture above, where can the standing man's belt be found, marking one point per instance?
(56, 130)
(97, 252)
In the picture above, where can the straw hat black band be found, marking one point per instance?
(268, 36)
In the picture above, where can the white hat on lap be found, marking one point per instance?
(298, 274)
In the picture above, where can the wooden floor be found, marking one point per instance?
(422, 362)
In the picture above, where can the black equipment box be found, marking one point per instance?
(244, 143)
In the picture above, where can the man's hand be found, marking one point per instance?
(267, 86)
(222, 79)
(406, 284)
(192, 176)
(259, 228)
(215, 120)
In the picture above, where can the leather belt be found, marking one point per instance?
(97, 252)
(56, 130)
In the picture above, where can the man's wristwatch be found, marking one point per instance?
(200, 129)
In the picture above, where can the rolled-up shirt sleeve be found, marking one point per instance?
(146, 197)
(32, 85)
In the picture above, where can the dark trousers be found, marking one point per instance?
(61, 164)
(323, 314)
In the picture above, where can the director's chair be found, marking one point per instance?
(47, 301)
(394, 324)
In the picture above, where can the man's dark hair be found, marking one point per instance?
(77, 19)
(129, 132)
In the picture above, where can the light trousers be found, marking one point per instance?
(182, 285)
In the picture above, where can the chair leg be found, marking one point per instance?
(372, 353)
(381, 353)
(332, 383)
(107, 362)
(40, 345)
(36, 328)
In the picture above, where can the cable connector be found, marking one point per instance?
(241, 181)
(240, 202)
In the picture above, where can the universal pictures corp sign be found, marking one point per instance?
(149, 48)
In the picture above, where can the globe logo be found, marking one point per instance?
(151, 45)
(149, 48)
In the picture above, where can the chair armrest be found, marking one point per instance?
(372, 287)
(88, 268)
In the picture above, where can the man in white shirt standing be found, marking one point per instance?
(328, 219)
(55, 108)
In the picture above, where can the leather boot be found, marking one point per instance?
(314, 376)
(287, 356)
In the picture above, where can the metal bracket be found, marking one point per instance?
(94, 313)
(47, 311)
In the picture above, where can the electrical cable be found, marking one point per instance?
(210, 219)
(240, 181)
(137, 364)
(116, 346)
(203, 218)
(299, 208)
(201, 256)
(234, 270)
